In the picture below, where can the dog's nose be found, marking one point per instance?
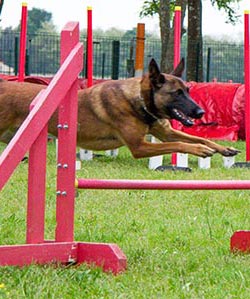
(199, 113)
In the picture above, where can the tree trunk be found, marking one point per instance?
(164, 14)
(194, 41)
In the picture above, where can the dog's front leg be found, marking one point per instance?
(146, 149)
(164, 132)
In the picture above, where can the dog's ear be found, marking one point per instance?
(157, 79)
(179, 69)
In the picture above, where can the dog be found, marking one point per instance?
(119, 113)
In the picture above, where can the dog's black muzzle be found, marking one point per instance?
(198, 113)
(184, 109)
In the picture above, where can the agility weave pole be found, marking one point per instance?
(86, 155)
(23, 37)
(61, 93)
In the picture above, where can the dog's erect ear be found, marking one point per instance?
(179, 69)
(156, 78)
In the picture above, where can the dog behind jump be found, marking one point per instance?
(122, 112)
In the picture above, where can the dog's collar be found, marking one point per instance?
(148, 116)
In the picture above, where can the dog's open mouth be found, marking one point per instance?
(180, 116)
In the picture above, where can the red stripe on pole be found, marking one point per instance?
(89, 48)
(177, 54)
(22, 50)
(163, 184)
(247, 82)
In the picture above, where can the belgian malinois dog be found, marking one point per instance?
(122, 112)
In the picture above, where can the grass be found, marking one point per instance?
(176, 242)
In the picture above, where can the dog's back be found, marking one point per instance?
(103, 109)
(15, 98)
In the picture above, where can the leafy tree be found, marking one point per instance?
(227, 6)
(37, 18)
(164, 8)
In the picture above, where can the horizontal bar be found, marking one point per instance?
(163, 184)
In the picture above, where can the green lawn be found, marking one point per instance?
(176, 242)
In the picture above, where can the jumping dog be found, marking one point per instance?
(122, 112)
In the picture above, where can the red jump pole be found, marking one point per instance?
(247, 83)
(89, 47)
(23, 35)
(177, 54)
(163, 184)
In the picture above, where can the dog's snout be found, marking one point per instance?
(199, 113)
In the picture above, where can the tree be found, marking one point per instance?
(164, 8)
(194, 41)
(37, 18)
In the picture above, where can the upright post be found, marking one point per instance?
(208, 63)
(177, 35)
(89, 47)
(22, 50)
(247, 90)
(177, 54)
(139, 54)
(67, 128)
(115, 59)
(86, 154)
(37, 188)
(247, 83)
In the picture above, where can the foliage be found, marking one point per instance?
(227, 6)
(176, 242)
(37, 19)
(151, 7)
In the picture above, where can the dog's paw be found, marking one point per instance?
(230, 152)
(204, 151)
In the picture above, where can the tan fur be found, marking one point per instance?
(109, 117)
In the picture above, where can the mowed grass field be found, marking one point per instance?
(176, 242)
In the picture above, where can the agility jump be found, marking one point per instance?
(32, 135)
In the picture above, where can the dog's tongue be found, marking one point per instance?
(178, 115)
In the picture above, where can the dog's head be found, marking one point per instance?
(169, 96)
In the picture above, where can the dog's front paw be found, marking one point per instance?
(230, 151)
(203, 151)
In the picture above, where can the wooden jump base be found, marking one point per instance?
(61, 93)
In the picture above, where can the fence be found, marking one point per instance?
(114, 57)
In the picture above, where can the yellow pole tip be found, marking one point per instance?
(76, 183)
(89, 8)
(246, 12)
(177, 8)
(24, 4)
